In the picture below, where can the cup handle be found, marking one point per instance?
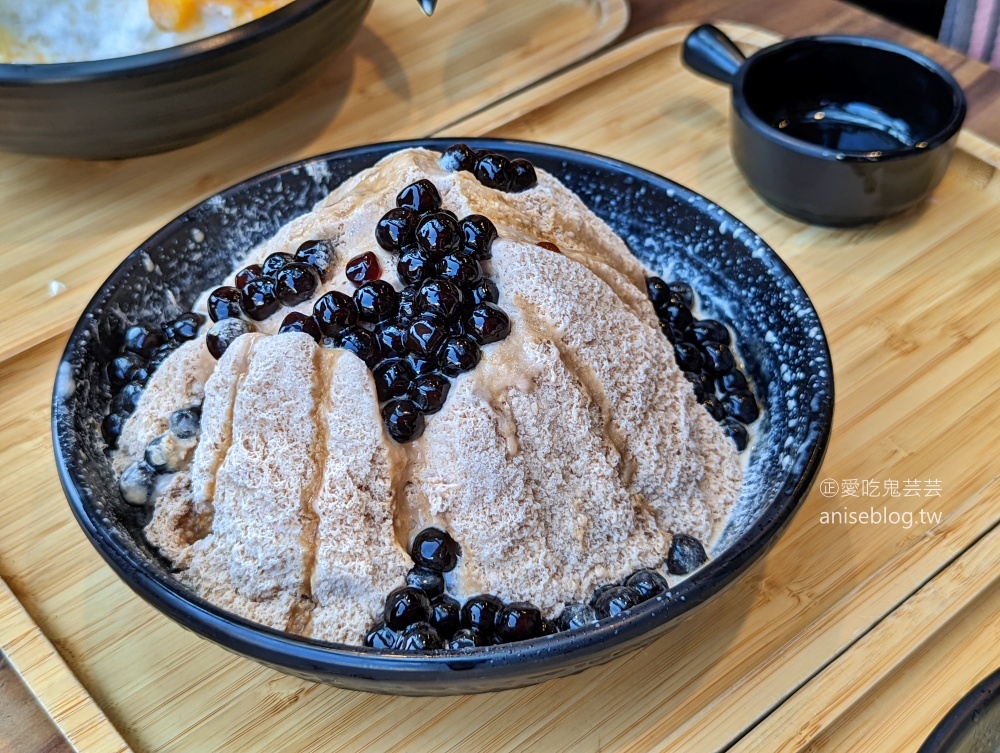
(711, 53)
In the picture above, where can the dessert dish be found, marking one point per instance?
(67, 31)
(447, 408)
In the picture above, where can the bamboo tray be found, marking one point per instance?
(907, 305)
(67, 224)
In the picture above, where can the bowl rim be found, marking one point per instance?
(168, 58)
(963, 715)
(941, 137)
(295, 653)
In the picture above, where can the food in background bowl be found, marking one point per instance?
(439, 410)
(67, 31)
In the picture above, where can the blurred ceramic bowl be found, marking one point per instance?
(165, 99)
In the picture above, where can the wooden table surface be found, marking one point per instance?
(25, 727)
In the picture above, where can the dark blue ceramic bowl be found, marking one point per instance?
(676, 232)
(972, 725)
(165, 99)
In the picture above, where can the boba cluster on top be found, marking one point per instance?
(413, 339)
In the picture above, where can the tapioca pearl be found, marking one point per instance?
(478, 234)
(165, 453)
(684, 291)
(392, 378)
(429, 393)
(616, 600)
(438, 296)
(421, 197)
(376, 301)
(439, 233)
(459, 354)
(487, 323)
(357, 341)
(445, 616)
(435, 549)
(248, 274)
(732, 381)
(688, 357)
(111, 427)
(225, 303)
(464, 639)
(224, 333)
(403, 421)
(142, 340)
(713, 405)
(686, 555)
(275, 262)
(296, 321)
(524, 175)
(334, 312)
(736, 432)
(576, 615)
(647, 583)
(404, 606)
(390, 337)
(259, 299)
(718, 357)
(127, 399)
(710, 330)
(485, 291)
(480, 612)
(741, 405)
(396, 228)
(495, 171)
(464, 271)
(123, 368)
(459, 157)
(185, 423)
(184, 328)
(431, 582)
(295, 283)
(318, 254)
(363, 268)
(415, 265)
(518, 621)
(382, 636)
(426, 334)
(420, 636)
(136, 484)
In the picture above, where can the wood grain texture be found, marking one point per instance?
(67, 224)
(909, 310)
(892, 688)
(801, 17)
(54, 687)
(24, 725)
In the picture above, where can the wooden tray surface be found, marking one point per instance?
(67, 224)
(908, 308)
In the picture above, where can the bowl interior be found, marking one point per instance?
(675, 232)
(822, 90)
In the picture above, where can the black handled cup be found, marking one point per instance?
(835, 130)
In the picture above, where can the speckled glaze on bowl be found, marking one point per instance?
(674, 231)
(165, 99)
(972, 725)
